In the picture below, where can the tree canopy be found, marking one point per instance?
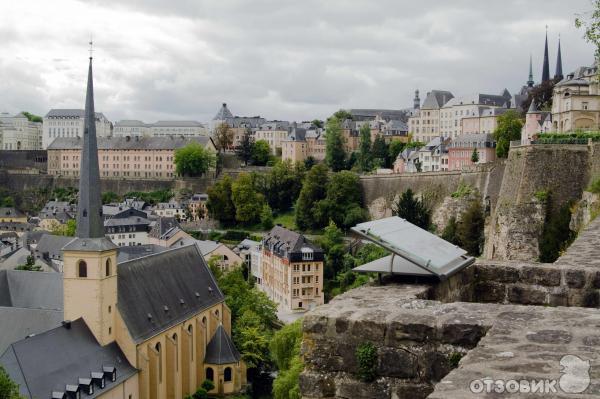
(244, 150)
(8, 388)
(261, 152)
(194, 160)
(220, 205)
(508, 129)
(365, 158)
(247, 201)
(223, 137)
(335, 154)
(413, 210)
(314, 189)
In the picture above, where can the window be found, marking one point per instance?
(107, 267)
(584, 105)
(227, 374)
(109, 330)
(157, 347)
(307, 253)
(191, 331)
(82, 269)
(210, 374)
(109, 308)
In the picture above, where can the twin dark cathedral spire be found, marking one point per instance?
(546, 65)
(89, 208)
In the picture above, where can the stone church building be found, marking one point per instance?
(154, 327)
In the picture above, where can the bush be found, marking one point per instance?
(462, 191)
(266, 217)
(366, 356)
(235, 235)
(200, 394)
(208, 385)
(556, 235)
(449, 233)
(595, 186)
(470, 229)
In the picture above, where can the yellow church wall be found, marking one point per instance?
(126, 390)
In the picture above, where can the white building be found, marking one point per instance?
(274, 133)
(433, 157)
(455, 110)
(69, 123)
(171, 209)
(18, 133)
(131, 128)
(136, 128)
(128, 231)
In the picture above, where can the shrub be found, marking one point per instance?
(454, 359)
(366, 355)
(470, 229)
(556, 235)
(208, 385)
(235, 235)
(462, 191)
(542, 195)
(595, 186)
(200, 394)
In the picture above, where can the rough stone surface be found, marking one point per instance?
(452, 207)
(584, 212)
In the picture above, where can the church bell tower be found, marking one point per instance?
(90, 260)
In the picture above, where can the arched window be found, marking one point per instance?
(227, 376)
(191, 331)
(81, 269)
(108, 267)
(158, 347)
(204, 321)
(176, 352)
(210, 374)
(217, 313)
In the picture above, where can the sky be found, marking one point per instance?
(286, 60)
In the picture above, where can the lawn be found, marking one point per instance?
(287, 220)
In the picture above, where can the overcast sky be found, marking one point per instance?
(292, 60)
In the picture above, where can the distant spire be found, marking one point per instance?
(559, 73)
(533, 109)
(417, 100)
(546, 66)
(530, 81)
(89, 208)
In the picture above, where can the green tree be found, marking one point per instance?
(591, 25)
(285, 385)
(194, 160)
(450, 231)
(395, 148)
(283, 185)
(32, 118)
(365, 158)
(29, 265)
(314, 189)
(266, 217)
(470, 229)
(261, 153)
(223, 137)
(380, 152)
(317, 123)
(244, 150)
(109, 197)
(556, 234)
(413, 210)
(508, 129)
(247, 201)
(8, 388)
(285, 351)
(343, 202)
(332, 242)
(475, 156)
(220, 204)
(335, 154)
(309, 162)
(342, 115)
(68, 229)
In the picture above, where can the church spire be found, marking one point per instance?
(546, 67)
(559, 73)
(89, 209)
(530, 81)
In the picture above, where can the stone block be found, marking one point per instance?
(541, 275)
(402, 390)
(316, 385)
(526, 295)
(558, 299)
(397, 363)
(489, 291)
(349, 387)
(575, 278)
(368, 330)
(596, 280)
(466, 335)
(315, 324)
(498, 273)
(415, 330)
(433, 366)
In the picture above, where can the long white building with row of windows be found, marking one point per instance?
(17, 132)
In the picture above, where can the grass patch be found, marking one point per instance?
(595, 187)
(287, 220)
(462, 191)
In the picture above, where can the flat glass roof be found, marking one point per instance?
(418, 247)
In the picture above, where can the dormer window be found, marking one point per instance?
(307, 253)
(86, 385)
(110, 372)
(73, 392)
(98, 379)
(58, 395)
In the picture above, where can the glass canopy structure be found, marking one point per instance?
(415, 252)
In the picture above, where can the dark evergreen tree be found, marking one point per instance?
(413, 210)
(470, 229)
(244, 150)
(335, 154)
(365, 157)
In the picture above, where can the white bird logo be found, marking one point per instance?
(575, 372)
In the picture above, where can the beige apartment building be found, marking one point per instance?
(483, 121)
(425, 124)
(273, 133)
(292, 270)
(123, 157)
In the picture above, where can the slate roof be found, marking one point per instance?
(17, 323)
(164, 227)
(10, 212)
(123, 143)
(50, 246)
(90, 244)
(436, 99)
(131, 123)
(177, 124)
(223, 113)
(359, 114)
(49, 361)
(126, 221)
(288, 244)
(158, 291)
(24, 289)
(71, 113)
(127, 253)
(220, 349)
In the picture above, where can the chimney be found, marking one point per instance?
(66, 324)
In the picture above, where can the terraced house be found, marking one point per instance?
(150, 327)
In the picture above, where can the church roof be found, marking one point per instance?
(47, 362)
(223, 113)
(24, 289)
(220, 349)
(158, 291)
(533, 109)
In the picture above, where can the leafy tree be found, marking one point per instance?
(395, 148)
(470, 229)
(591, 25)
(283, 185)
(413, 210)
(6, 200)
(314, 189)
(29, 265)
(365, 158)
(68, 229)
(508, 129)
(194, 160)
(475, 156)
(343, 202)
(253, 343)
(223, 137)
(309, 162)
(332, 242)
(317, 123)
(32, 118)
(342, 115)
(109, 197)
(335, 154)
(8, 388)
(244, 150)
(285, 385)
(247, 201)
(266, 217)
(380, 151)
(285, 351)
(261, 152)
(220, 204)
(541, 94)
(449, 233)
(208, 385)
